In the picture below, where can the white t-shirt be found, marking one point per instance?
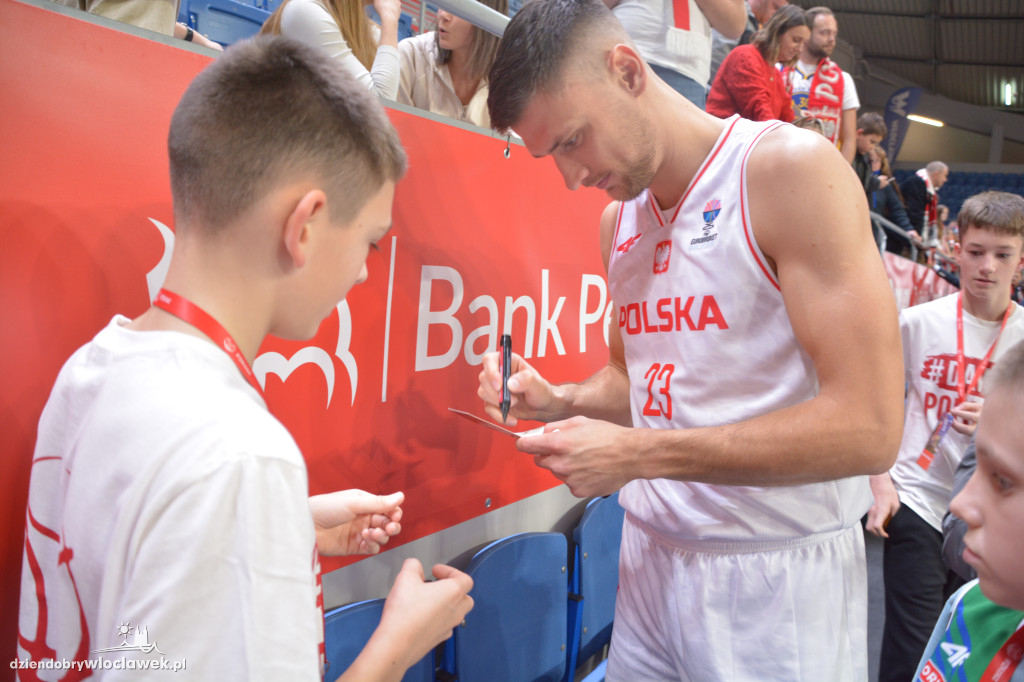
(428, 86)
(308, 21)
(929, 361)
(168, 509)
(682, 44)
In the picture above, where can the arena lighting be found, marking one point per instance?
(926, 120)
(1007, 94)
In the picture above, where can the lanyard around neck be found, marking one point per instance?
(963, 391)
(189, 312)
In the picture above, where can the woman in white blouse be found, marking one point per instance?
(367, 51)
(445, 71)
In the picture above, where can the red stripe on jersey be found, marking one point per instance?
(704, 167)
(743, 209)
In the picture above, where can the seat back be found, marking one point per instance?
(224, 21)
(347, 629)
(517, 628)
(596, 571)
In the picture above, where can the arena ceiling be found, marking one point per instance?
(966, 50)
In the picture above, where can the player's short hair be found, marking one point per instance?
(269, 111)
(539, 42)
(1008, 373)
(1000, 212)
(872, 123)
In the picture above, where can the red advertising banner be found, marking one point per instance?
(913, 283)
(480, 244)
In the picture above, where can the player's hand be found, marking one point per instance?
(532, 396)
(419, 615)
(591, 457)
(355, 521)
(965, 417)
(887, 503)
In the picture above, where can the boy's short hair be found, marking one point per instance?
(537, 46)
(1000, 212)
(269, 111)
(1008, 373)
(872, 123)
(815, 12)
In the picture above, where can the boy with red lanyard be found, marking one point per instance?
(948, 345)
(979, 636)
(166, 503)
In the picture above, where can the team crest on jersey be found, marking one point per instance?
(662, 254)
(709, 233)
(628, 244)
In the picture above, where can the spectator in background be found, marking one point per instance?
(821, 89)
(152, 15)
(809, 123)
(368, 52)
(944, 400)
(445, 70)
(758, 14)
(748, 83)
(888, 203)
(920, 192)
(979, 634)
(674, 37)
(870, 131)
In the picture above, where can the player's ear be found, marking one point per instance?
(300, 223)
(628, 67)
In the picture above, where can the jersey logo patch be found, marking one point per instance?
(628, 244)
(662, 254)
(956, 654)
(709, 233)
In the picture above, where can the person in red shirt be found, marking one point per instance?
(748, 83)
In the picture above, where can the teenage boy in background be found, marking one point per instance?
(980, 635)
(164, 498)
(948, 345)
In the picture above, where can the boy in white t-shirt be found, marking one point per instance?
(167, 507)
(948, 345)
(980, 634)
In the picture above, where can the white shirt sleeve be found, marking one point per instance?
(309, 22)
(850, 99)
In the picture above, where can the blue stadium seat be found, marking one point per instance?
(347, 629)
(223, 21)
(517, 628)
(595, 579)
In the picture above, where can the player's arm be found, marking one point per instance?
(844, 316)
(810, 218)
(605, 395)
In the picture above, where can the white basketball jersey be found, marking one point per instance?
(708, 342)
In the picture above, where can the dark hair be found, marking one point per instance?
(1000, 212)
(872, 124)
(536, 47)
(270, 110)
(767, 39)
(483, 48)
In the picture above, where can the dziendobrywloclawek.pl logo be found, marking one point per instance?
(139, 643)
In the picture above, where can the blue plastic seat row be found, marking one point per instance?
(536, 615)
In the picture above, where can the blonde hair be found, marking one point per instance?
(350, 16)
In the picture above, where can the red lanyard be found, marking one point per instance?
(188, 311)
(1006, 660)
(962, 392)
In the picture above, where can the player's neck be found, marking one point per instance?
(690, 135)
(991, 308)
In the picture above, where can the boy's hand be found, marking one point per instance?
(887, 503)
(355, 521)
(965, 417)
